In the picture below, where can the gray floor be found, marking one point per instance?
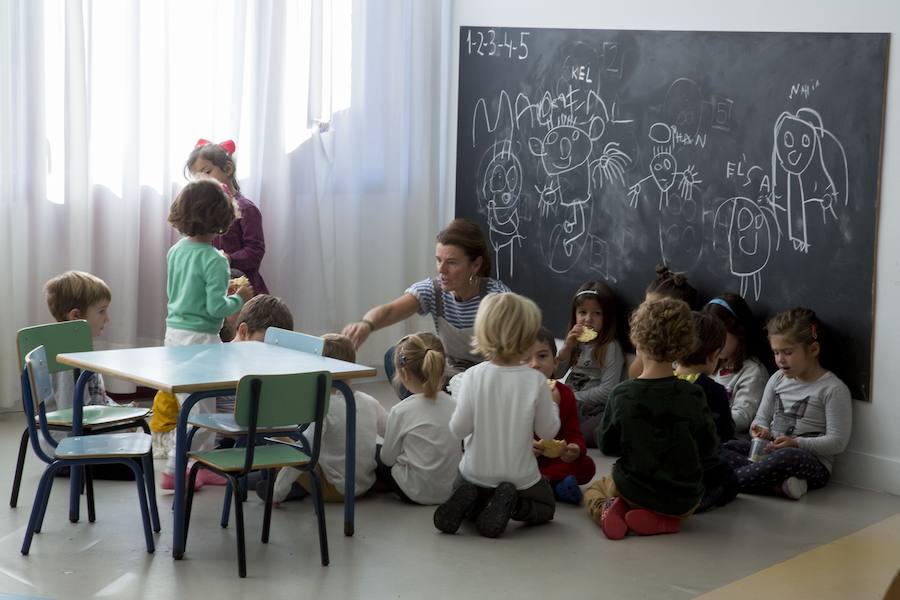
(397, 553)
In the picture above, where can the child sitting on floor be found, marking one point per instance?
(502, 403)
(661, 428)
(568, 466)
(371, 419)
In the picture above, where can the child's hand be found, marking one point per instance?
(536, 447)
(245, 292)
(570, 453)
(760, 432)
(784, 441)
(554, 395)
(572, 336)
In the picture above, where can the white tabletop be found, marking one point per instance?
(205, 367)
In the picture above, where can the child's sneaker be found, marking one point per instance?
(647, 522)
(612, 518)
(207, 477)
(567, 490)
(493, 519)
(794, 488)
(167, 481)
(449, 515)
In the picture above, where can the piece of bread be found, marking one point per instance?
(587, 335)
(552, 448)
(551, 383)
(238, 282)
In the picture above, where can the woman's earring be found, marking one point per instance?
(472, 279)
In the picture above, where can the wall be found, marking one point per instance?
(873, 458)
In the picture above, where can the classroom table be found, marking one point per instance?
(211, 370)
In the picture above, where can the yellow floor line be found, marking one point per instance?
(860, 565)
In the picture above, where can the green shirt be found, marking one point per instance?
(197, 287)
(663, 431)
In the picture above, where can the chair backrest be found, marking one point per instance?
(36, 390)
(294, 340)
(56, 338)
(292, 398)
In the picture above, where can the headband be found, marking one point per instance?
(228, 145)
(721, 302)
(583, 292)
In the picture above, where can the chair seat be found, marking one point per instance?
(107, 445)
(264, 457)
(96, 415)
(224, 423)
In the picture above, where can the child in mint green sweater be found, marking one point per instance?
(197, 286)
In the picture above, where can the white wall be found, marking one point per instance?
(873, 459)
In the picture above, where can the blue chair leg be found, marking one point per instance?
(75, 480)
(150, 485)
(89, 492)
(189, 500)
(226, 505)
(239, 523)
(267, 514)
(40, 504)
(142, 499)
(20, 466)
(320, 515)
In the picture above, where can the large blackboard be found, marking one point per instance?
(748, 160)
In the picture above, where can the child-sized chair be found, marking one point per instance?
(130, 449)
(263, 401)
(70, 336)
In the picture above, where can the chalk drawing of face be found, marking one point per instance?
(503, 181)
(795, 143)
(565, 148)
(663, 168)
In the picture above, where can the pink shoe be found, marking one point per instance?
(167, 481)
(647, 522)
(207, 477)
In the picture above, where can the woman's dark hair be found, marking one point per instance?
(218, 156)
(673, 285)
(735, 314)
(202, 207)
(468, 236)
(604, 296)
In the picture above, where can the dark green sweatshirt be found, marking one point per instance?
(664, 433)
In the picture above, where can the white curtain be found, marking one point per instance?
(337, 108)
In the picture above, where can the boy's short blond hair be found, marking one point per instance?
(74, 289)
(339, 347)
(264, 311)
(663, 329)
(506, 325)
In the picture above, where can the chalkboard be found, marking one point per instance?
(748, 160)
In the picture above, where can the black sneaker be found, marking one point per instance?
(449, 515)
(493, 519)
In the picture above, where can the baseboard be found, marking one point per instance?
(868, 471)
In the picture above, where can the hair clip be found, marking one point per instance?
(814, 332)
(721, 302)
(401, 360)
(228, 145)
(583, 292)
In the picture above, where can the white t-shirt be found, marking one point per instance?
(370, 423)
(498, 412)
(418, 443)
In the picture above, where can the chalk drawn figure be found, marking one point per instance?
(565, 152)
(500, 193)
(749, 239)
(809, 173)
(664, 173)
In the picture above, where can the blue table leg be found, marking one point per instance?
(181, 451)
(77, 429)
(350, 477)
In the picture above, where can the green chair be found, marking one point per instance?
(265, 401)
(71, 336)
(130, 449)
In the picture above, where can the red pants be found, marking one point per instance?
(554, 469)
